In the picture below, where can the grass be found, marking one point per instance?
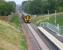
(59, 20)
(40, 19)
(16, 23)
(1, 48)
(8, 34)
(51, 19)
(11, 35)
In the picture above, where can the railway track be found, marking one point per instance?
(36, 39)
(49, 44)
(32, 41)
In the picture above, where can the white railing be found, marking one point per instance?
(54, 40)
(51, 27)
(61, 30)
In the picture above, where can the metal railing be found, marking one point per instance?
(61, 30)
(52, 27)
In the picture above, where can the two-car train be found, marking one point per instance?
(27, 18)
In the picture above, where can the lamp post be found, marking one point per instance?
(55, 17)
(48, 15)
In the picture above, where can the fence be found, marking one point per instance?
(61, 30)
(57, 29)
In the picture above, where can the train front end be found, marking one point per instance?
(27, 19)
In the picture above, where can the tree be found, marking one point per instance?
(35, 7)
(25, 6)
(12, 6)
(6, 8)
(2, 1)
(59, 5)
(42, 6)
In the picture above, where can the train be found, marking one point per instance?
(27, 18)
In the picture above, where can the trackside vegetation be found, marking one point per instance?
(15, 21)
(11, 34)
(50, 19)
(6, 8)
(38, 7)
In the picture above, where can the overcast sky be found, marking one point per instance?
(17, 1)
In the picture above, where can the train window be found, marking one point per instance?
(29, 17)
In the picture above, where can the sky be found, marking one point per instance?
(17, 1)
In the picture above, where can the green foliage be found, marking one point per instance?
(12, 6)
(40, 19)
(35, 7)
(25, 6)
(9, 34)
(15, 20)
(1, 48)
(6, 8)
(42, 6)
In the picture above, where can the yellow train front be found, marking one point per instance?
(27, 19)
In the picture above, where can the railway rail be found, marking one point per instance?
(39, 39)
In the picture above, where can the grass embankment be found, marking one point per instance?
(51, 19)
(40, 19)
(11, 37)
(15, 21)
